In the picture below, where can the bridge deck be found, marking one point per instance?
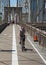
(28, 57)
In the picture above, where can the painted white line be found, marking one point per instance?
(37, 51)
(35, 48)
(14, 47)
(5, 34)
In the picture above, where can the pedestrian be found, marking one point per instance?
(22, 37)
(13, 22)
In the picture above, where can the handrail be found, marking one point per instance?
(41, 32)
(41, 36)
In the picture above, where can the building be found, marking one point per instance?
(3, 3)
(45, 12)
(25, 9)
(41, 6)
(30, 7)
(22, 3)
(33, 10)
(38, 11)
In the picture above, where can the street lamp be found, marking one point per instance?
(26, 7)
(17, 3)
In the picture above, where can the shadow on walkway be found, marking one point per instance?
(26, 49)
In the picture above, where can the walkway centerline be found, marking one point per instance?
(37, 51)
(14, 47)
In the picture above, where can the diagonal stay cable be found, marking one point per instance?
(29, 59)
(6, 39)
(5, 62)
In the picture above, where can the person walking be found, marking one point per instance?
(22, 38)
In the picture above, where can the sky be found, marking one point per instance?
(13, 3)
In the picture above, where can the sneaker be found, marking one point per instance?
(19, 42)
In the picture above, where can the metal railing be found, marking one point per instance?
(41, 35)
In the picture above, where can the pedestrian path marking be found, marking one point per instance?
(35, 48)
(14, 47)
(37, 51)
(5, 34)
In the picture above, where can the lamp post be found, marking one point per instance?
(26, 7)
(6, 15)
(29, 11)
(37, 14)
(17, 3)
